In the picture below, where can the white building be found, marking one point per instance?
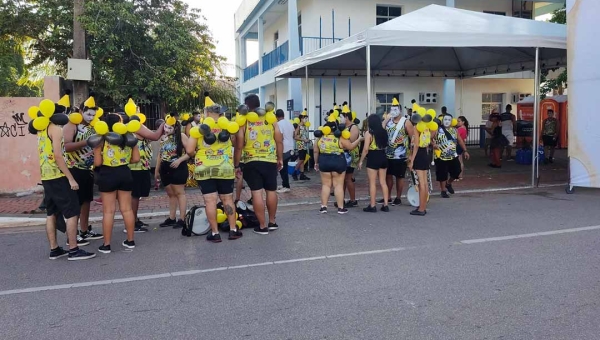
(287, 29)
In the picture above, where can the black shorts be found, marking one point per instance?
(349, 170)
(396, 168)
(302, 154)
(549, 141)
(141, 183)
(177, 176)
(219, 186)
(85, 180)
(376, 159)
(332, 163)
(443, 168)
(261, 175)
(59, 198)
(114, 178)
(422, 159)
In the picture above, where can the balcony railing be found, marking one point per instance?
(251, 71)
(311, 44)
(276, 57)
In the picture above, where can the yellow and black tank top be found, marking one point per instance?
(373, 144)
(330, 145)
(48, 168)
(83, 158)
(115, 155)
(302, 133)
(259, 143)
(145, 150)
(425, 138)
(168, 149)
(214, 161)
(354, 153)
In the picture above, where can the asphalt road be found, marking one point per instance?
(358, 276)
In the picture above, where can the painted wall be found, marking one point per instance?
(18, 148)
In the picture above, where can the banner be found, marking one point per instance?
(583, 53)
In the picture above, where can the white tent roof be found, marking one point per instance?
(439, 41)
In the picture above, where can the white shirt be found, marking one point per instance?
(287, 130)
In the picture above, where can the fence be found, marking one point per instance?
(251, 71)
(311, 44)
(276, 57)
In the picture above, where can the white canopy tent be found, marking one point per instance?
(440, 41)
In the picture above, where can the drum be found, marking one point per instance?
(199, 221)
(412, 195)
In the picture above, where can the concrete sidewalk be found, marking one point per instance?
(477, 177)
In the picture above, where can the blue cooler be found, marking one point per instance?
(524, 156)
(541, 154)
(292, 167)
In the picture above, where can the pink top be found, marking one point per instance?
(462, 132)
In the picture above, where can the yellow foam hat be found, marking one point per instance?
(207, 101)
(395, 102)
(345, 109)
(304, 113)
(335, 107)
(90, 102)
(65, 101)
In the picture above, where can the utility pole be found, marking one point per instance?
(80, 88)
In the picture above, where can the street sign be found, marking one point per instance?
(290, 105)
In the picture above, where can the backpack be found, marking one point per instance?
(246, 216)
(196, 222)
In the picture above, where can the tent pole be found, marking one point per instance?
(368, 52)
(536, 109)
(306, 89)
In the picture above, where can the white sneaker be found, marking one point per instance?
(279, 187)
(284, 190)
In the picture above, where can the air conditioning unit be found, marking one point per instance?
(517, 97)
(428, 98)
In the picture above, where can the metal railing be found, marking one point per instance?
(311, 44)
(476, 136)
(276, 57)
(251, 71)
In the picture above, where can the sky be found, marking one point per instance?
(219, 18)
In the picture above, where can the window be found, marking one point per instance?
(523, 9)
(386, 13)
(489, 102)
(300, 28)
(275, 40)
(384, 102)
(494, 12)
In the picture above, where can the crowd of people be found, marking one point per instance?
(82, 147)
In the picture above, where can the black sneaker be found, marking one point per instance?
(80, 254)
(137, 230)
(370, 209)
(397, 201)
(57, 253)
(445, 195)
(90, 234)
(263, 231)
(295, 177)
(128, 244)
(385, 208)
(303, 177)
(272, 226)
(213, 238)
(168, 223)
(342, 211)
(143, 224)
(249, 201)
(351, 204)
(450, 188)
(80, 241)
(179, 224)
(323, 210)
(233, 235)
(416, 212)
(551, 159)
(104, 249)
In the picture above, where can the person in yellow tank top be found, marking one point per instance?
(349, 120)
(194, 121)
(172, 170)
(80, 160)
(214, 171)
(60, 186)
(262, 146)
(420, 161)
(302, 144)
(115, 183)
(376, 141)
(140, 171)
(330, 161)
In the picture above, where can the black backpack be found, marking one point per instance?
(196, 222)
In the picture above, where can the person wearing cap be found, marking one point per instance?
(301, 138)
(59, 185)
(260, 145)
(287, 130)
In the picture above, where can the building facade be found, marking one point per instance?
(287, 29)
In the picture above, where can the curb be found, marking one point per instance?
(15, 222)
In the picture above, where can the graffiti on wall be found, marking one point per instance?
(15, 127)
